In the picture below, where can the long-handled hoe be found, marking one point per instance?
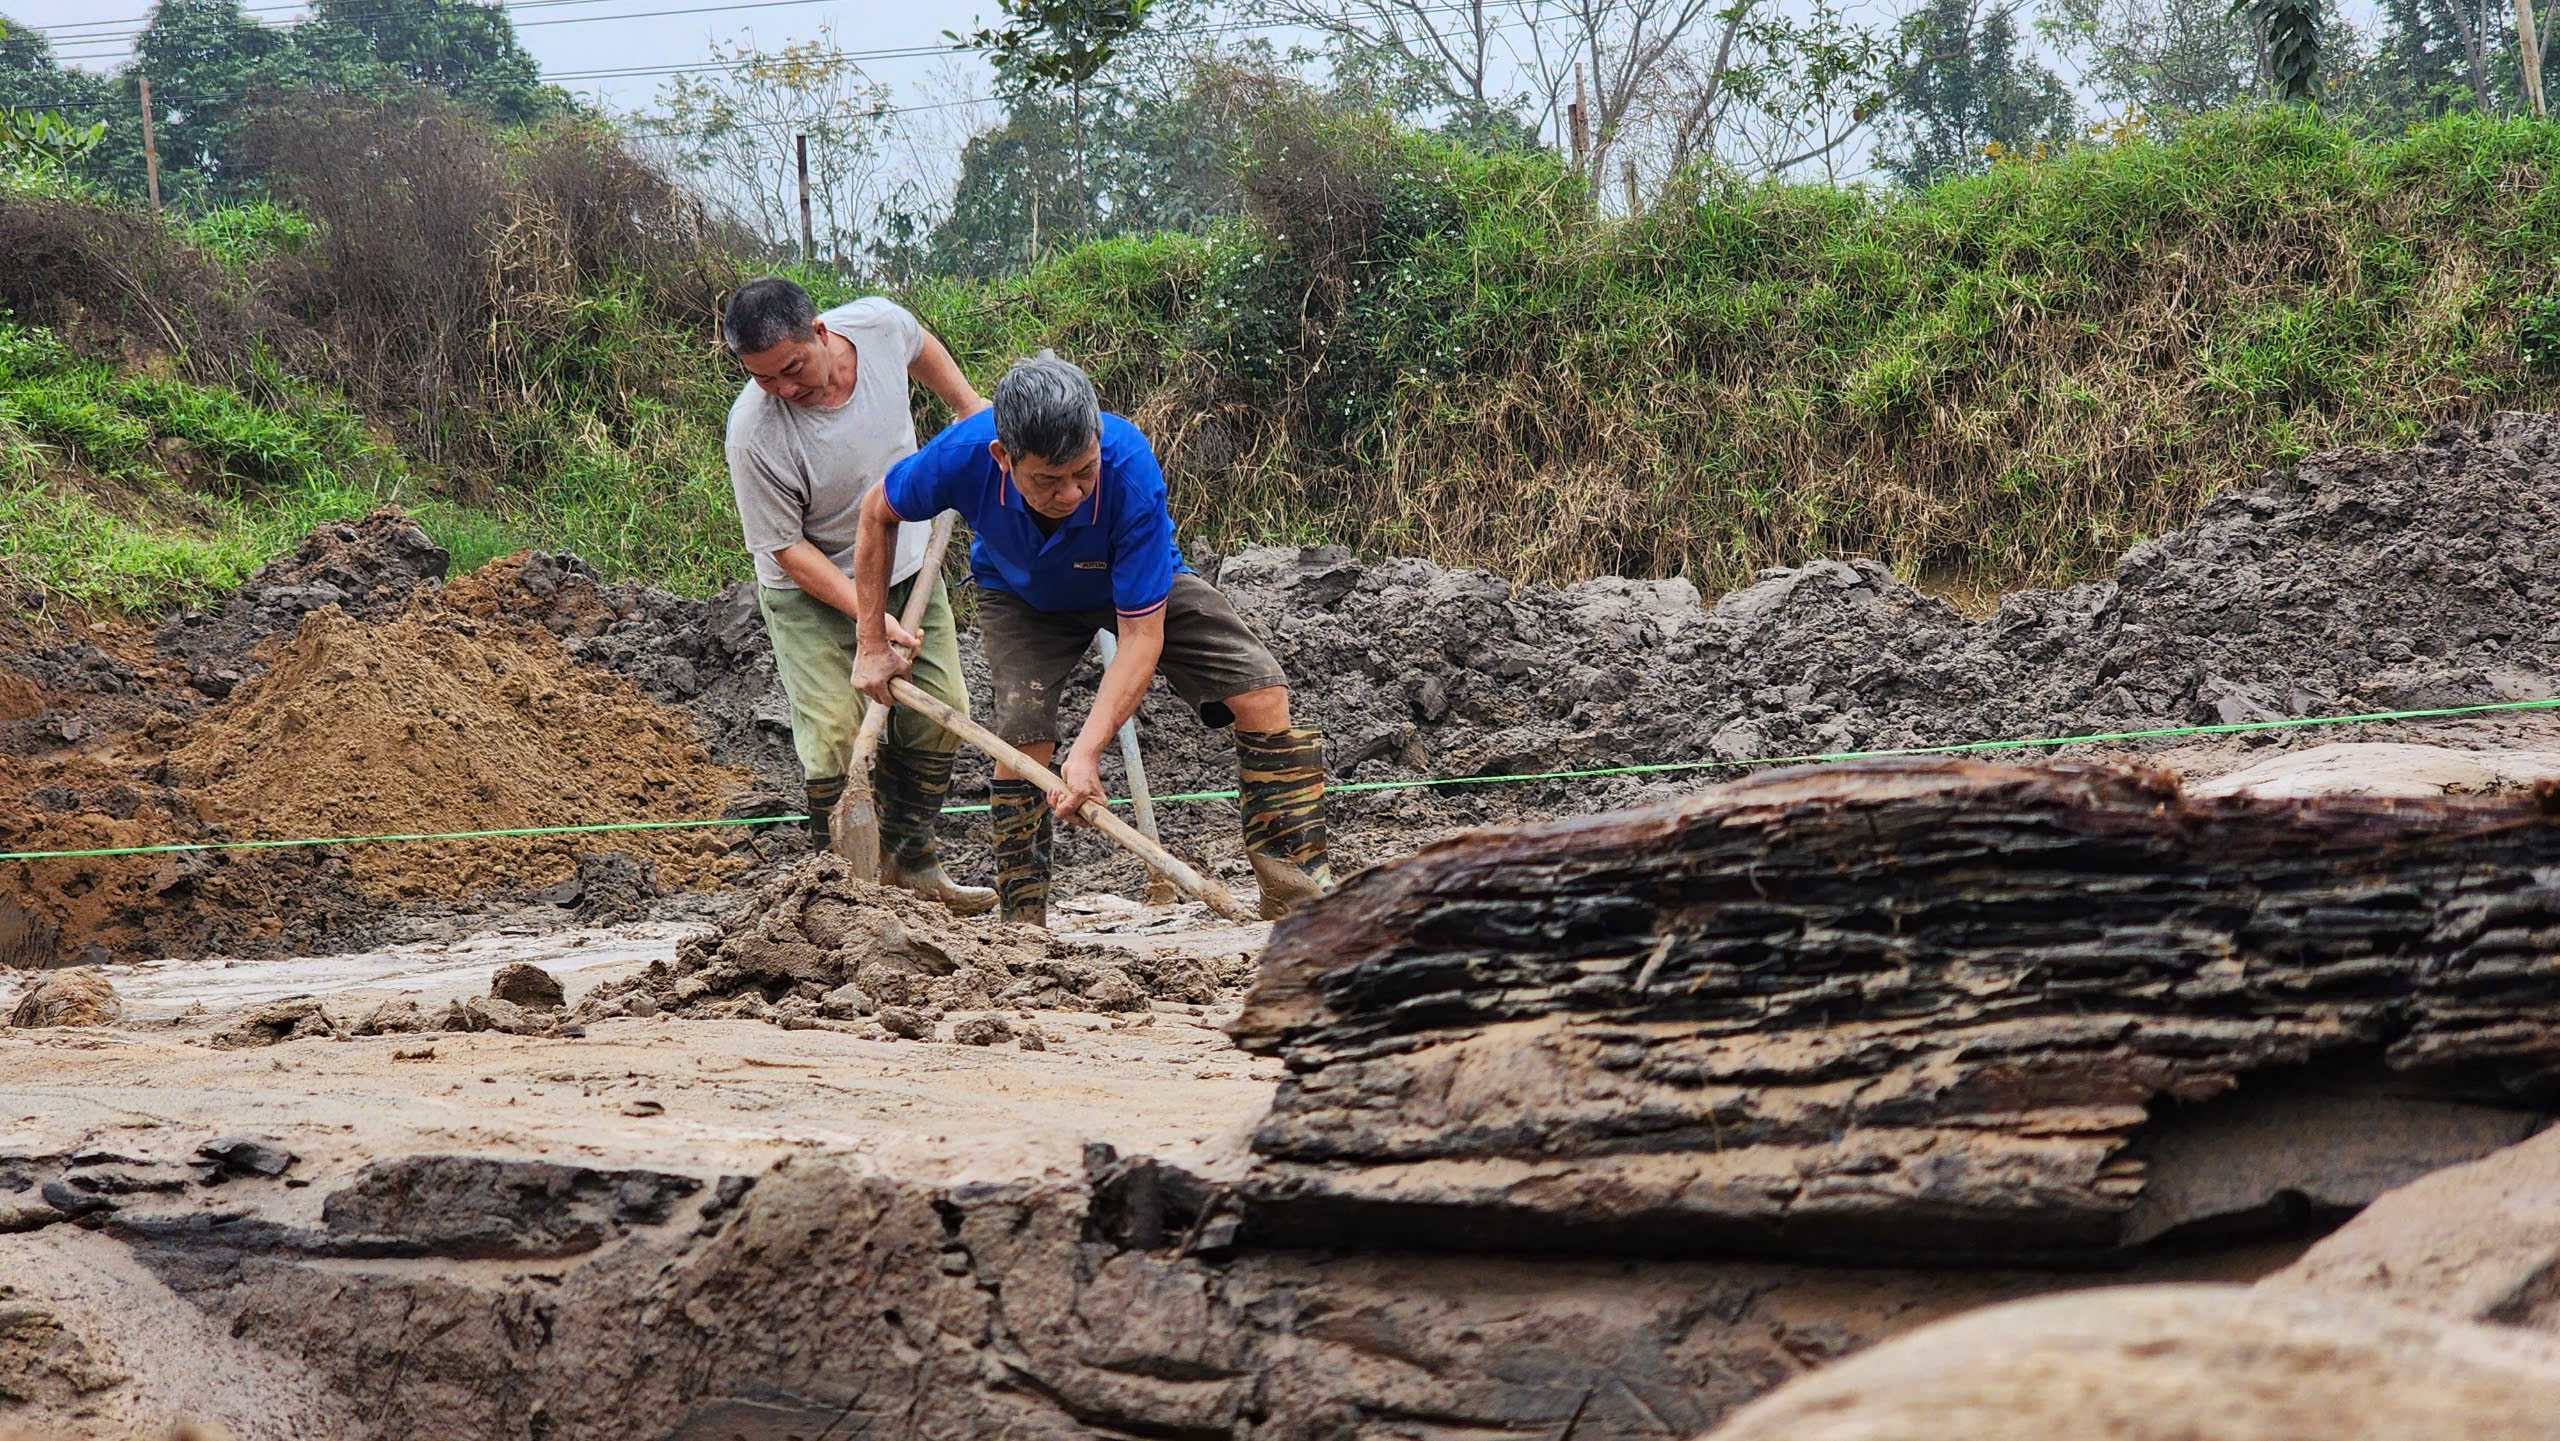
(1197, 885)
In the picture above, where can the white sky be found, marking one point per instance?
(595, 34)
(570, 36)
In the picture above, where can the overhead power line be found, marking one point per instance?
(136, 24)
(107, 45)
(181, 101)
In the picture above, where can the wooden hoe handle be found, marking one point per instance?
(1199, 886)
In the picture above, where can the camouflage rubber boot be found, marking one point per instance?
(823, 795)
(1283, 805)
(1023, 828)
(911, 785)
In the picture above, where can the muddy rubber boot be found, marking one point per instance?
(1283, 805)
(1023, 830)
(823, 795)
(911, 785)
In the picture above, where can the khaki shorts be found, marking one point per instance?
(1210, 654)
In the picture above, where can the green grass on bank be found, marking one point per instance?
(2004, 379)
(2000, 381)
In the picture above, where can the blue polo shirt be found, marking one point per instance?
(1115, 552)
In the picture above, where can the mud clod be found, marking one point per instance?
(68, 998)
(815, 941)
(292, 1019)
(982, 1030)
(528, 986)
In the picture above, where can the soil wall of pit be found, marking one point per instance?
(461, 1299)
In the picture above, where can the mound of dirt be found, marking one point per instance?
(556, 591)
(816, 944)
(366, 568)
(433, 722)
(418, 720)
(90, 910)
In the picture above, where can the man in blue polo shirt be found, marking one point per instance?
(1072, 536)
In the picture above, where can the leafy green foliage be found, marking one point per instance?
(2292, 33)
(2007, 376)
(43, 139)
(240, 236)
(1054, 42)
(2538, 336)
(1966, 94)
(214, 70)
(468, 51)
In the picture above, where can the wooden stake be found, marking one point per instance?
(151, 148)
(808, 235)
(1579, 118)
(1199, 886)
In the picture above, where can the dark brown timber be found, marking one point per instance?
(1910, 1009)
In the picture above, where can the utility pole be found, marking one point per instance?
(2529, 52)
(808, 235)
(151, 149)
(1628, 173)
(1577, 118)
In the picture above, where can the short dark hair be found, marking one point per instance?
(765, 312)
(1046, 408)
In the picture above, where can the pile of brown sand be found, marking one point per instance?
(91, 910)
(814, 943)
(433, 722)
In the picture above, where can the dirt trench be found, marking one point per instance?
(1050, 1252)
(723, 1191)
(531, 694)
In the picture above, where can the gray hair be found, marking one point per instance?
(765, 312)
(1046, 408)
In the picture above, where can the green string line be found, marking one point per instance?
(1658, 768)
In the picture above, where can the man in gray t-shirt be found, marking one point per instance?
(824, 417)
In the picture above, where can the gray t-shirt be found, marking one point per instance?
(800, 471)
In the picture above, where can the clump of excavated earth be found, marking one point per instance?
(1602, 1127)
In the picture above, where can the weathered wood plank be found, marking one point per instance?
(1891, 1008)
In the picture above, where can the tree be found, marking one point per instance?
(1963, 88)
(1161, 158)
(2289, 38)
(204, 58)
(2434, 56)
(1665, 84)
(2157, 62)
(1058, 42)
(467, 50)
(730, 130)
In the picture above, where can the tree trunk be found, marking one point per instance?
(1910, 1008)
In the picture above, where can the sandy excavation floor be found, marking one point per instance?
(732, 1094)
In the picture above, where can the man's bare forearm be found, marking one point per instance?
(875, 551)
(818, 577)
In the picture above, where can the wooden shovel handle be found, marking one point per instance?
(875, 719)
